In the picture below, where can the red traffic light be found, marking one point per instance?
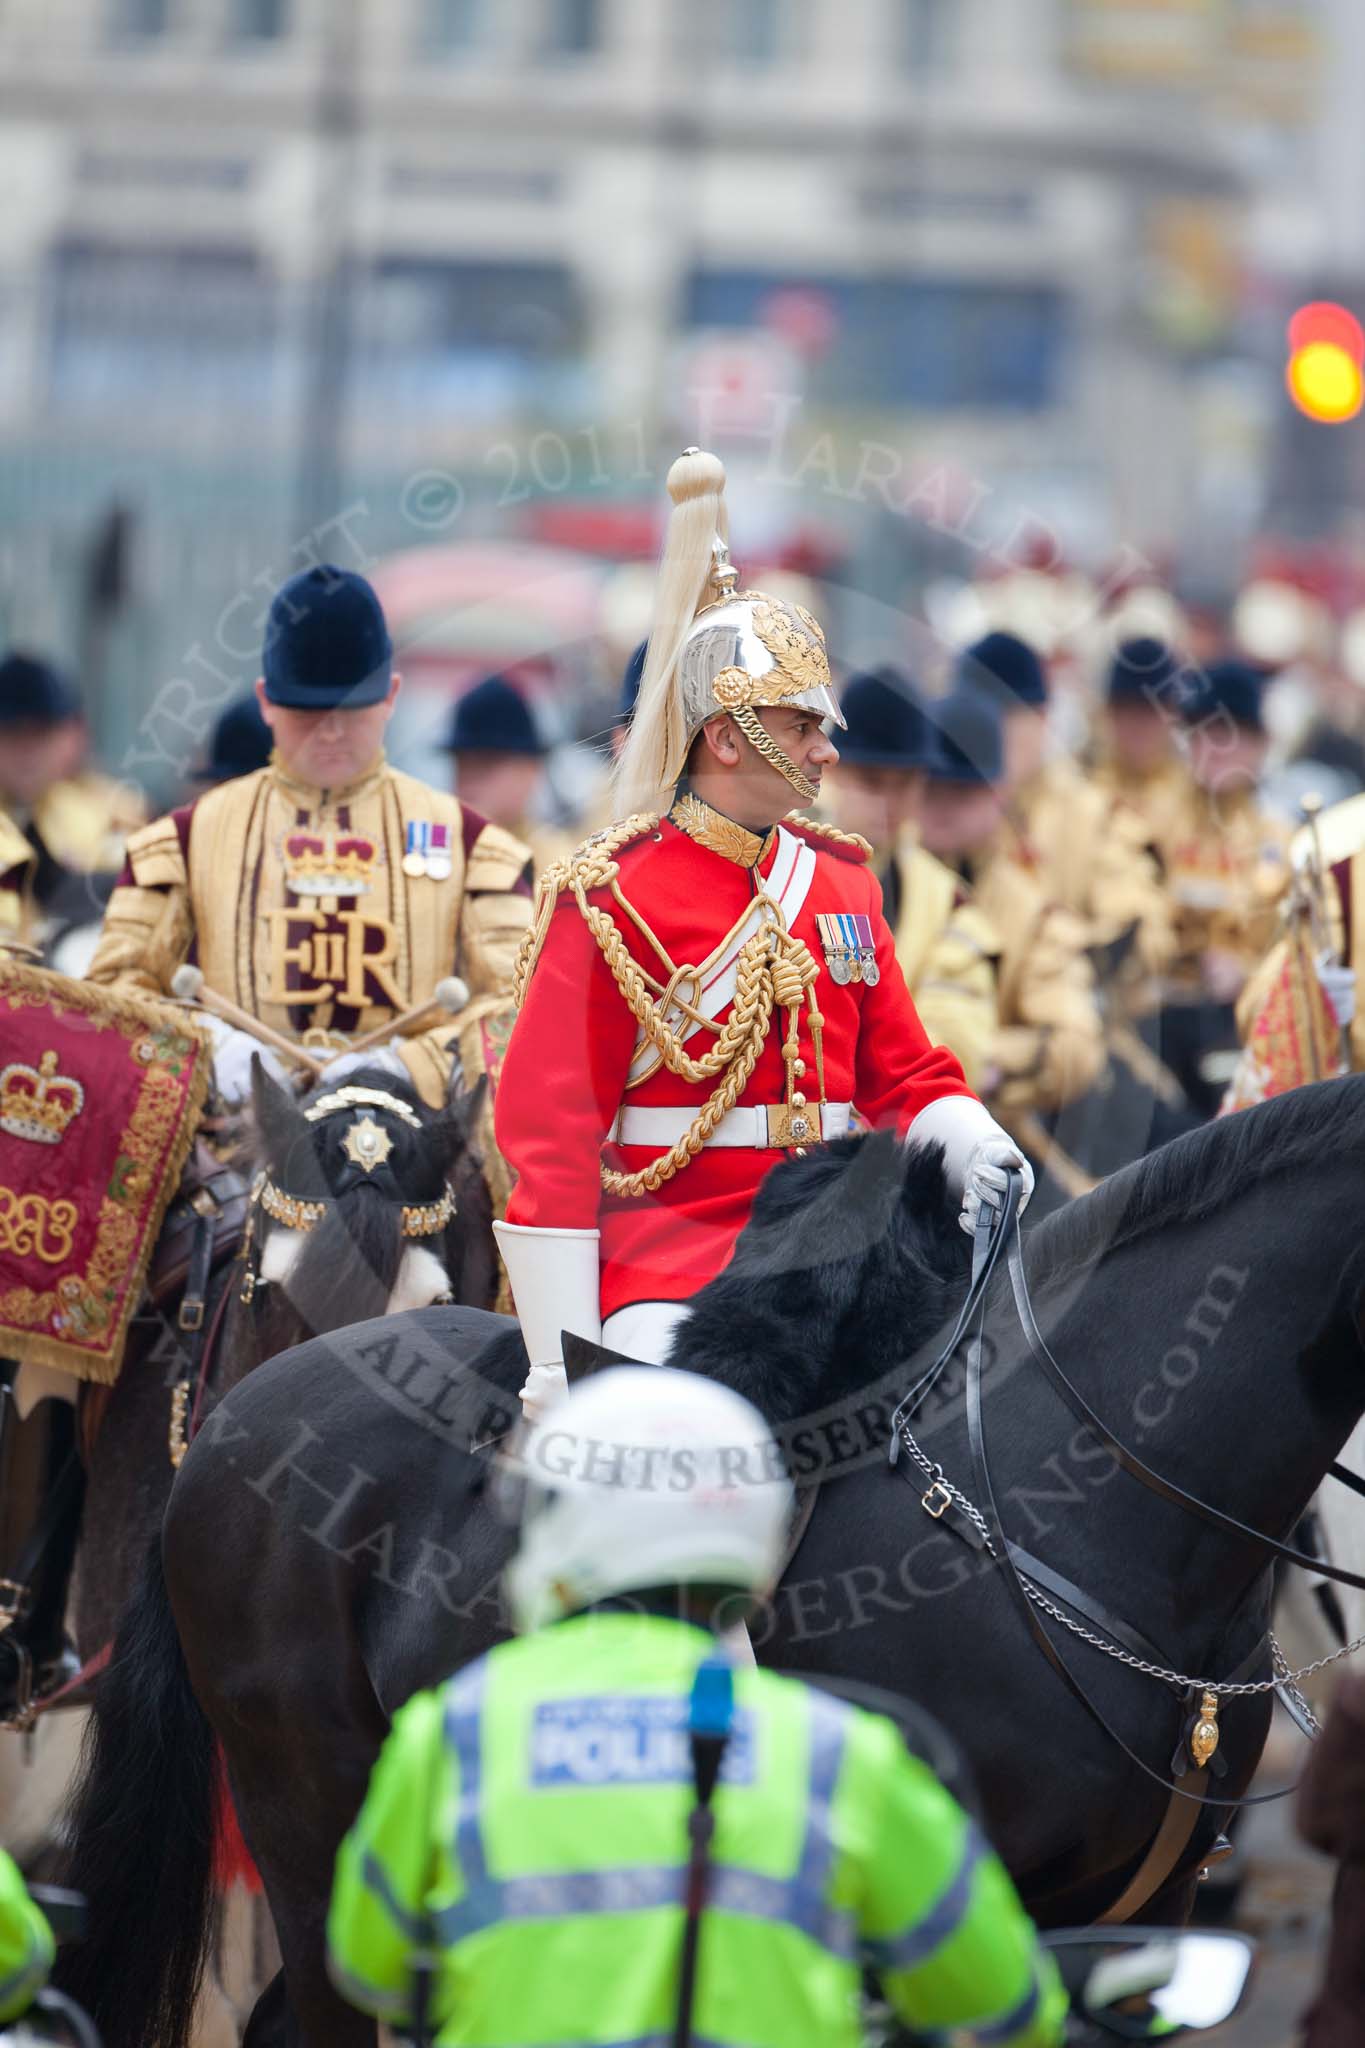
(1325, 374)
(1322, 321)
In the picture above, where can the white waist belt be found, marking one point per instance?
(745, 1125)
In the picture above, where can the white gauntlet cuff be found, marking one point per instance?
(555, 1286)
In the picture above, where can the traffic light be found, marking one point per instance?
(1324, 374)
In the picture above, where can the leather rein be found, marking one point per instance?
(997, 1237)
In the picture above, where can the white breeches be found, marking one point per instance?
(644, 1330)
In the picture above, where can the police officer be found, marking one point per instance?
(527, 1825)
(26, 1944)
(499, 759)
(327, 893)
(946, 948)
(1049, 1047)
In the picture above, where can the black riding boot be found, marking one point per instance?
(42, 1487)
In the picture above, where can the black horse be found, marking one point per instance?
(345, 1269)
(327, 1548)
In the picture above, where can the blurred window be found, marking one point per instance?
(463, 338)
(935, 343)
(168, 328)
(455, 28)
(929, 36)
(257, 21)
(138, 21)
(572, 28)
(752, 31)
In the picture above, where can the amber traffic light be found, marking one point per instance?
(1324, 373)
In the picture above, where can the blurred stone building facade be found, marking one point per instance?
(254, 250)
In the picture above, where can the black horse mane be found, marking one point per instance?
(852, 1258)
(1195, 1175)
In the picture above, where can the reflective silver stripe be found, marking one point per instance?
(1014, 2022)
(389, 2005)
(915, 1944)
(415, 1926)
(799, 1901)
(480, 1905)
(646, 1888)
(29, 1976)
(811, 1910)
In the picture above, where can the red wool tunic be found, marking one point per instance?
(571, 1051)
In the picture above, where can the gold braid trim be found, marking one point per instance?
(743, 1037)
(592, 865)
(772, 970)
(819, 829)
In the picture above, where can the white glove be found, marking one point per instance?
(384, 1057)
(976, 1152)
(1338, 984)
(545, 1384)
(985, 1178)
(232, 1053)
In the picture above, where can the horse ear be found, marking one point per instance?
(279, 1125)
(457, 1127)
(582, 1357)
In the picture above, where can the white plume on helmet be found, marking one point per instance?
(645, 1476)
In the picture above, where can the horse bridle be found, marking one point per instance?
(997, 1236)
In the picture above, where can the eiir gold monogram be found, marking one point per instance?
(31, 1224)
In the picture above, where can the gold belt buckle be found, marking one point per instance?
(937, 1508)
(788, 1127)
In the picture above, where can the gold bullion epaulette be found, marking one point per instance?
(497, 861)
(591, 865)
(156, 856)
(829, 839)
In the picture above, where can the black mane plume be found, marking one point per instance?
(851, 1260)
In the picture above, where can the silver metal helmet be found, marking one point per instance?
(748, 652)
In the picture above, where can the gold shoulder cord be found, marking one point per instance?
(773, 969)
(835, 835)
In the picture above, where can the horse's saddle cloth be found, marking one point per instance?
(208, 1190)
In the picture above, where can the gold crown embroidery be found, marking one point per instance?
(38, 1103)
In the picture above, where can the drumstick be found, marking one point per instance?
(450, 994)
(189, 985)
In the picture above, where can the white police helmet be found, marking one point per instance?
(644, 1476)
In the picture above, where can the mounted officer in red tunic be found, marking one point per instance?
(709, 984)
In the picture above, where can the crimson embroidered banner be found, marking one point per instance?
(100, 1095)
(1293, 1036)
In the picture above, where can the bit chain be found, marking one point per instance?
(1181, 1681)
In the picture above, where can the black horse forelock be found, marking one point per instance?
(349, 1261)
(852, 1258)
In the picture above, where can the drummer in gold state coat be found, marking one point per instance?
(1139, 762)
(1228, 868)
(327, 893)
(1049, 1046)
(947, 948)
(1091, 852)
